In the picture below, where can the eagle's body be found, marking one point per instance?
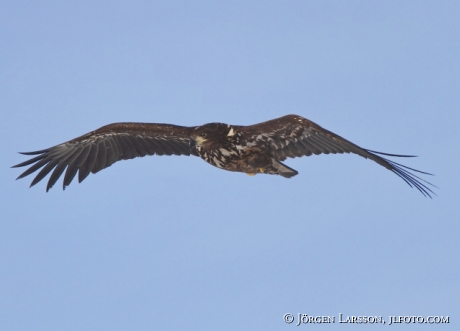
(253, 149)
(224, 146)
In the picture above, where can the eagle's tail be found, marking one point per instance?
(283, 170)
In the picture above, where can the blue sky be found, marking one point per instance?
(172, 243)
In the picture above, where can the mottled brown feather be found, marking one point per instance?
(100, 148)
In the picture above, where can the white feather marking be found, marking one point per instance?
(217, 162)
(224, 152)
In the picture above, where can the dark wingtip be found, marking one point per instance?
(19, 165)
(388, 154)
(35, 152)
(413, 180)
(403, 172)
(399, 155)
(29, 161)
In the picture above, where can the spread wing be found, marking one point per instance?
(101, 148)
(295, 136)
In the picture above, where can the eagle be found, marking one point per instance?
(253, 149)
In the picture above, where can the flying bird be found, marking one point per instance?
(253, 149)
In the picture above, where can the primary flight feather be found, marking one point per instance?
(252, 149)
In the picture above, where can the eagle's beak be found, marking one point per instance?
(199, 140)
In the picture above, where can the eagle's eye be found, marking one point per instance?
(203, 134)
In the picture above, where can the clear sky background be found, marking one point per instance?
(172, 243)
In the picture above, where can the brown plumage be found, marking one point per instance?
(252, 149)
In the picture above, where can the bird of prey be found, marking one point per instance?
(253, 149)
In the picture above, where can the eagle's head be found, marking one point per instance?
(212, 135)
